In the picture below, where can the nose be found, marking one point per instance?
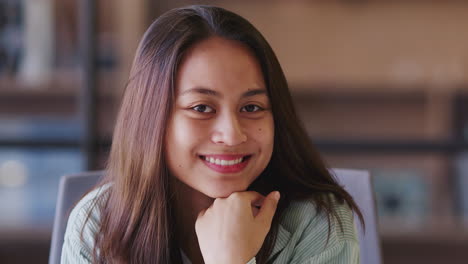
(228, 131)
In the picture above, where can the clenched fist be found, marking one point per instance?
(232, 229)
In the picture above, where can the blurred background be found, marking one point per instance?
(380, 85)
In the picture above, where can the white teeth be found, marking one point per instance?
(223, 162)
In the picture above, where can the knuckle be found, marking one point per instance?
(197, 225)
(235, 196)
(200, 214)
(217, 202)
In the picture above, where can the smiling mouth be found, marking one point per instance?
(222, 162)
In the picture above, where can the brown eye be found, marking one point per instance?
(203, 109)
(251, 108)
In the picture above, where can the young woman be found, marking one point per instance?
(209, 162)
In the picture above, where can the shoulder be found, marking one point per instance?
(82, 225)
(303, 216)
(310, 236)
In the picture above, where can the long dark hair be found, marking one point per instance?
(136, 224)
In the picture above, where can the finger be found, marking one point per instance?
(248, 198)
(258, 203)
(267, 211)
(255, 211)
(198, 220)
(201, 213)
(255, 198)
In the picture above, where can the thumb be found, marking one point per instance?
(267, 211)
(199, 219)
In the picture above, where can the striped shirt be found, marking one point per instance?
(301, 238)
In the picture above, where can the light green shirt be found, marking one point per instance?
(301, 238)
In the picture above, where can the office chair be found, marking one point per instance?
(356, 182)
(71, 189)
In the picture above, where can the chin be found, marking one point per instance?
(219, 193)
(223, 191)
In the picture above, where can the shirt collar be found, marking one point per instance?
(282, 238)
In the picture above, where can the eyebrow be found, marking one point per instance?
(202, 90)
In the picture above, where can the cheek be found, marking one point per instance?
(184, 135)
(181, 146)
(264, 134)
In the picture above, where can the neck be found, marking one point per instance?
(188, 203)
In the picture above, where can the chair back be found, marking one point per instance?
(356, 182)
(71, 189)
(359, 185)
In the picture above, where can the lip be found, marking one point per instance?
(227, 168)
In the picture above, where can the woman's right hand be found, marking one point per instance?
(231, 231)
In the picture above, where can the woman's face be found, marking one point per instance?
(220, 133)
